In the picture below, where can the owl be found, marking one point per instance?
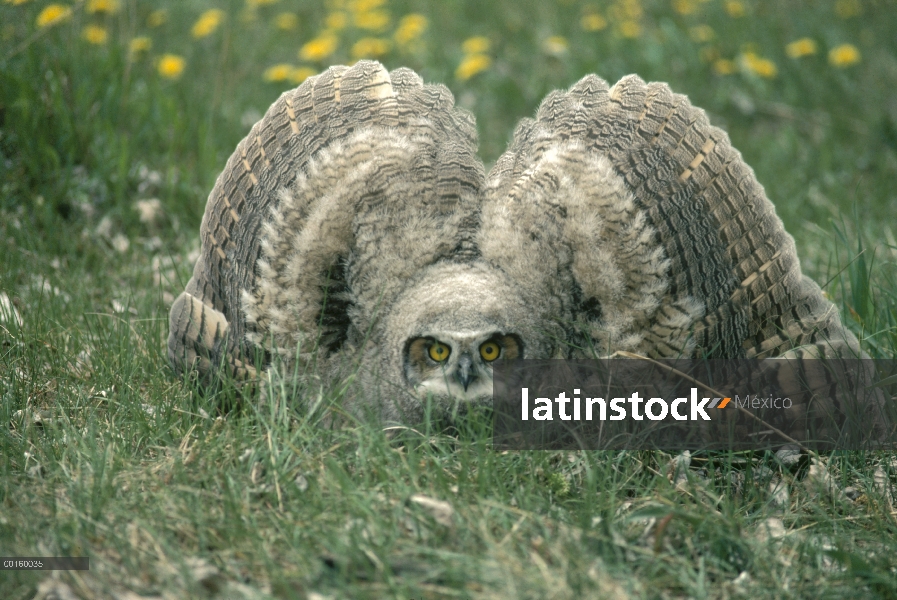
(356, 230)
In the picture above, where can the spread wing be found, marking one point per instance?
(647, 231)
(347, 186)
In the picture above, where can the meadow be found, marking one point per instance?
(116, 116)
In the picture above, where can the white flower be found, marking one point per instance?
(149, 210)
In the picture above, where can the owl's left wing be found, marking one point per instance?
(632, 220)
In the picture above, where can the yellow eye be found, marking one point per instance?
(439, 352)
(490, 351)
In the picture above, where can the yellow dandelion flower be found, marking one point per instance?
(476, 45)
(844, 55)
(723, 66)
(103, 6)
(207, 23)
(336, 21)
(53, 14)
(685, 7)
(471, 65)
(800, 48)
(286, 21)
(300, 74)
(735, 8)
(319, 48)
(630, 29)
(759, 65)
(255, 3)
(370, 48)
(593, 22)
(279, 72)
(765, 68)
(410, 28)
(555, 45)
(702, 33)
(94, 34)
(157, 17)
(848, 8)
(361, 6)
(374, 20)
(139, 45)
(171, 66)
(16, 2)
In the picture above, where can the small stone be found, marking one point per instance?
(205, 574)
(771, 529)
(788, 455)
(778, 489)
(819, 479)
(882, 484)
(441, 511)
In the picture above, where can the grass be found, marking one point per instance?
(104, 453)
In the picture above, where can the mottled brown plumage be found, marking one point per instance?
(711, 270)
(331, 160)
(355, 220)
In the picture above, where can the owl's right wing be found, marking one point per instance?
(634, 221)
(347, 187)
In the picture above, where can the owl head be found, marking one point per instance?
(457, 364)
(445, 332)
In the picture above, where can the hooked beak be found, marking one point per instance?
(464, 374)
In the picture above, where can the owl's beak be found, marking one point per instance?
(464, 373)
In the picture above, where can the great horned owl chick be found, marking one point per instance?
(356, 224)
